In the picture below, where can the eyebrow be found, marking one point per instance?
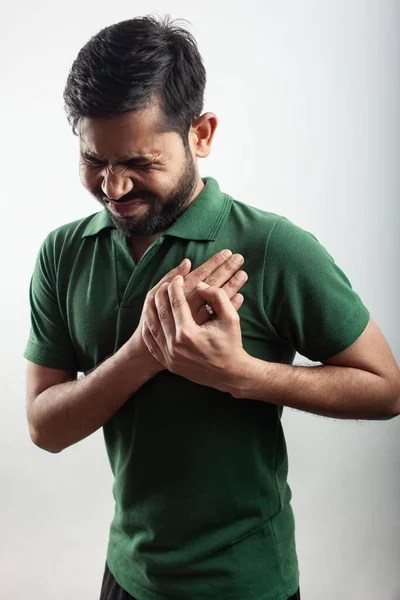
(127, 160)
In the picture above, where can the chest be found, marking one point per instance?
(103, 293)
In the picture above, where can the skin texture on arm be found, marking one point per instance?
(66, 413)
(359, 383)
(62, 410)
(363, 382)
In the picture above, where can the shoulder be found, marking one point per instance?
(62, 244)
(253, 221)
(69, 234)
(253, 213)
(275, 231)
(73, 229)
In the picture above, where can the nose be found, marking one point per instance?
(115, 185)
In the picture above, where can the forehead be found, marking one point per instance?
(134, 133)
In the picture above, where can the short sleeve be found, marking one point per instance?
(307, 298)
(49, 343)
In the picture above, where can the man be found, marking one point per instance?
(186, 379)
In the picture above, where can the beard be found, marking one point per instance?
(162, 212)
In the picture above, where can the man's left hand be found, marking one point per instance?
(210, 354)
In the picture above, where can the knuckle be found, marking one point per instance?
(232, 283)
(217, 260)
(182, 337)
(212, 280)
(238, 279)
(230, 266)
(176, 302)
(154, 330)
(173, 351)
(163, 314)
(200, 273)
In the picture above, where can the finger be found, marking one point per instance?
(164, 312)
(219, 301)
(152, 345)
(235, 283)
(182, 269)
(225, 271)
(231, 288)
(153, 323)
(237, 301)
(179, 305)
(205, 270)
(203, 315)
(227, 274)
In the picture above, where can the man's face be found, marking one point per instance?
(144, 178)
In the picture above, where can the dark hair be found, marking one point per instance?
(133, 64)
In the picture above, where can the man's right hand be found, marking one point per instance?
(219, 270)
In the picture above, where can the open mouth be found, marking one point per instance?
(124, 203)
(124, 208)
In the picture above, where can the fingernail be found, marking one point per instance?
(226, 253)
(183, 263)
(202, 285)
(237, 258)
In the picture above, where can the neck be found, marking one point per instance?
(138, 244)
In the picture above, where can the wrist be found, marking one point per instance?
(242, 375)
(138, 351)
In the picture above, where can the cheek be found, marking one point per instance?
(88, 179)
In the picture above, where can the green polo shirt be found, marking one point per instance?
(202, 502)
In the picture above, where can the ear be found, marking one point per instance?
(201, 134)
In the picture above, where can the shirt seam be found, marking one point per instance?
(49, 348)
(263, 522)
(342, 326)
(263, 283)
(222, 214)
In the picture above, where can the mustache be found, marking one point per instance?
(142, 196)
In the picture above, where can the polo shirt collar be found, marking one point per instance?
(204, 216)
(97, 223)
(201, 220)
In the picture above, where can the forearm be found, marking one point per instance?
(331, 391)
(68, 412)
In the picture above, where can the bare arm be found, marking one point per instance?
(67, 412)
(62, 410)
(362, 382)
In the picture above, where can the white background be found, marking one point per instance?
(308, 97)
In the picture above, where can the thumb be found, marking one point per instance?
(218, 300)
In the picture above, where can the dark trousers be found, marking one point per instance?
(110, 590)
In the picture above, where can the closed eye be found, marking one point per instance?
(93, 163)
(133, 164)
(145, 166)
